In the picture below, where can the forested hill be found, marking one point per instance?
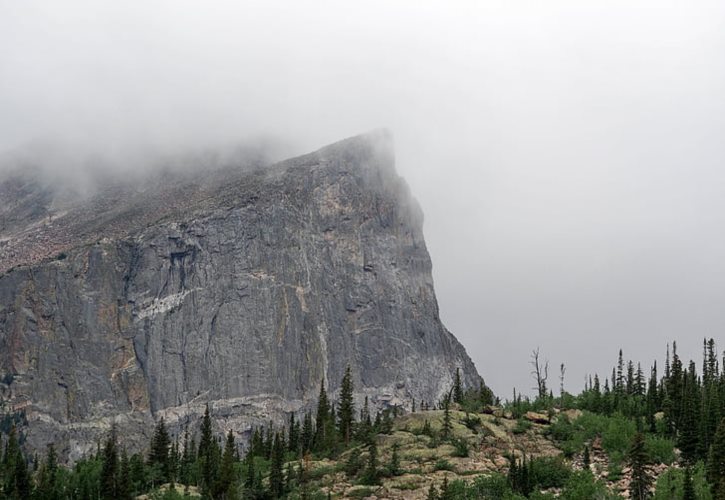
(632, 435)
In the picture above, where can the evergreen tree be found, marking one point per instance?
(323, 421)
(226, 488)
(307, 434)
(293, 435)
(187, 460)
(447, 428)
(110, 469)
(586, 460)
(208, 455)
(125, 484)
(688, 489)
(48, 487)
(394, 464)
(370, 474)
(687, 439)
(276, 471)
(716, 463)
(457, 387)
(640, 482)
(347, 407)
(159, 453)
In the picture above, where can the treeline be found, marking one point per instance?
(276, 464)
(680, 404)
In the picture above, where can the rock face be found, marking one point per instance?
(245, 296)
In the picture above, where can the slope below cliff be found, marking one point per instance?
(244, 292)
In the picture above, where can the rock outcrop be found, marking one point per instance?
(245, 296)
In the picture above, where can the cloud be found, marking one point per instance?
(568, 155)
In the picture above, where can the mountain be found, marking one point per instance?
(239, 288)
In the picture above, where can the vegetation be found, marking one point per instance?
(660, 437)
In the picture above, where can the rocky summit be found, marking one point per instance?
(242, 289)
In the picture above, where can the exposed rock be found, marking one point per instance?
(244, 297)
(537, 418)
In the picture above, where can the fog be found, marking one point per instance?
(569, 156)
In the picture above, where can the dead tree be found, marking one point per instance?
(540, 373)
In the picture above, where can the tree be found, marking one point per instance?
(125, 484)
(641, 482)
(447, 428)
(688, 489)
(323, 420)
(48, 487)
(159, 453)
(227, 484)
(307, 434)
(370, 474)
(276, 471)
(109, 470)
(687, 438)
(208, 455)
(394, 464)
(540, 373)
(347, 407)
(457, 387)
(716, 463)
(586, 460)
(293, 435)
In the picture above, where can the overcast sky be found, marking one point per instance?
(569, 156)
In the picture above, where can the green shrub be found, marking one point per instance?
(360, 493)
(583, 486)
(550, 472)
(461, 448)
(522, 425)
(443, 464)
(669, 484)
(660, 450)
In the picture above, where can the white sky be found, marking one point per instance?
(569, 156)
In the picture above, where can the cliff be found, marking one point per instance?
(242, 289)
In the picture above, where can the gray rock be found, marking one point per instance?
(244, 300)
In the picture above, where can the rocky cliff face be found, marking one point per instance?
(243, 295)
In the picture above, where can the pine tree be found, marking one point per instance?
(641, 482)
(586, 460)
(109, 469)
(347, 407)
(227, 484)
(23, 487)
(293, 435)
(276, 471)
(322, 420)
(187, 460)
(47, 487)
(688, 489)
(447, 424)
(687, 439)
(370, 474)
(457, 387)
(394, 464)
(307, 434)
(716, 463)
(208, 453)
(125, 485)
(159, 453)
